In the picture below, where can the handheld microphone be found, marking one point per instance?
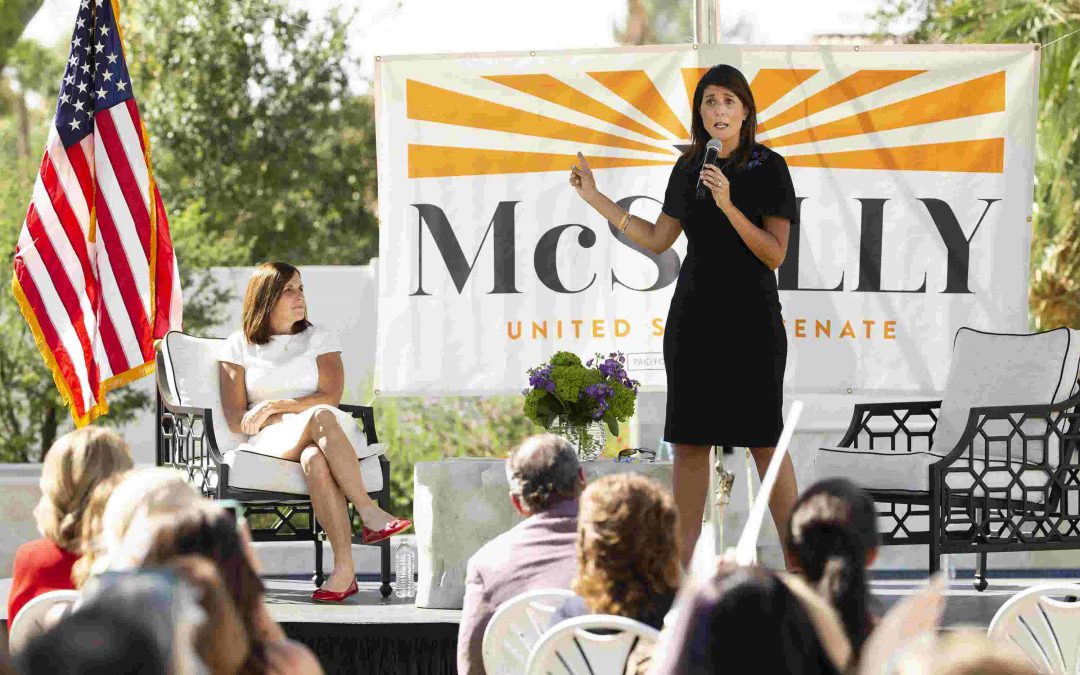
(712, 153)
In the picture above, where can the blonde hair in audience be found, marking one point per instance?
(627, 547)
(73, 466)
(90, 544)
(144, 492)
(964, 651)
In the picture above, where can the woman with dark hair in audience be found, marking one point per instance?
(73, 466)
(207, 530)
(628, 551)
(220, 641)
(833, 536)
(751, 620)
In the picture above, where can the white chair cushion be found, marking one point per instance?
(191, 371)
(989, 369)
(252, 471)
(910, 472)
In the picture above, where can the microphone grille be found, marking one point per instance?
(715, 143)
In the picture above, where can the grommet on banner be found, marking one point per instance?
(377, 392)
(532, 53)
(378, 58)
(856, 47)
(695, 47)
(1029, 219)
(849, 390)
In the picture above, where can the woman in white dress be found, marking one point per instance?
(281, 382)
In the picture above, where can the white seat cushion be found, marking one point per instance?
(990, 369)
(910, 472)
(252, 471)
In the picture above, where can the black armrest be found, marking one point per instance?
(366, 414)
(979, 417)
(192, 414)
(866, 411)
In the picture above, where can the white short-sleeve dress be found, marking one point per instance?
(286, 367)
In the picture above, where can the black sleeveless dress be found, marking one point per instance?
(725, 348)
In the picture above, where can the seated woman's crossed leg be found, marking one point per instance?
(332, 472)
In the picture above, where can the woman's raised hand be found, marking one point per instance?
(582, 178)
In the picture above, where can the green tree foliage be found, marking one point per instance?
(656, 22)
(14, 15)
(1055, 254)
(670, 22)
(251, 120)
(419, 429)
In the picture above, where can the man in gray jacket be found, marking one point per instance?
(546, 481)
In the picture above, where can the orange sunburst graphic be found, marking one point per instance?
(535, 121)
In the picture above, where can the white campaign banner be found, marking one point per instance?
(913, 167)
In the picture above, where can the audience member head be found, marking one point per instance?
(75, 463)
(262, 307)
(747, 620)
(205, 529)
(91, 545)
(94, 641)
(627, 547)
(143, 492)
(543, 471)
(833, 535)
(964, 651)
(124, 623)
(221, 640)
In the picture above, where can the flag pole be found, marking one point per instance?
(707, 22)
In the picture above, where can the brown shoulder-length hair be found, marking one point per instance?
(627, 546)
(263, 292)
(730, 78)
(210, 531)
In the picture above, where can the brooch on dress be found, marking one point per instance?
(756, 158)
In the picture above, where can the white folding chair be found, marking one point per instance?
(571, 648)
(516, 626)
(1044, 625)
(31, 619)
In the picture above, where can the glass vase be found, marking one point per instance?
(588, 439)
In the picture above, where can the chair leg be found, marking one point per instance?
(935, 524)
(384, 568)
(980, 572)
(384, 546)
(318, 577)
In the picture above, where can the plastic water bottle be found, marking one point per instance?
(948, 566)
(405, 567)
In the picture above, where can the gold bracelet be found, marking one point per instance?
(625, 222)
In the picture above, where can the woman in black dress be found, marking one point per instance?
(724, 343)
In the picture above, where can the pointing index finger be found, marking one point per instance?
(584, 162)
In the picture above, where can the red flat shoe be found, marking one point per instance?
(392, 528)
(321, 595)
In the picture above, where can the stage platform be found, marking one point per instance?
(372, 635)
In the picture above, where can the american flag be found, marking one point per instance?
(95, 273)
